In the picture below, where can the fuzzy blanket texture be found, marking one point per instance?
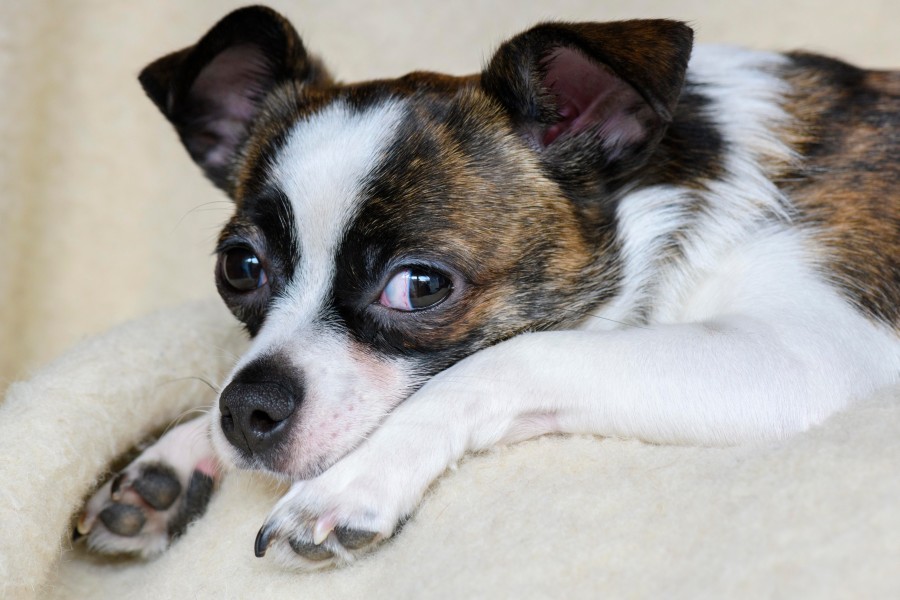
(815, 516)
(104, 218)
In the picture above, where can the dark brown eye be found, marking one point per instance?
(242, 271)
(415, 289)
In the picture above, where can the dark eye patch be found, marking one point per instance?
(258, 253)
(271, 214)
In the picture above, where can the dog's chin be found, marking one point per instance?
(284, 470)
(292, 469)
(288, 475)
(284, 466)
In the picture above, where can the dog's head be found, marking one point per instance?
(385, 230)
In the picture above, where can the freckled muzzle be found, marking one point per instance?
(258, 407)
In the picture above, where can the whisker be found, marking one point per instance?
(595, 316)
(227, 353)
(197, 410)
(623, 323)
(201, 207)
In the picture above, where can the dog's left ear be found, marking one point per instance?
(212, 92)
(592, 98)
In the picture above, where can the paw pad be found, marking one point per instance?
(158, 485)
(143, 508)
(123, 519)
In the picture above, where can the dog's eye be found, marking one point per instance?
(242, 271)
(414, 289)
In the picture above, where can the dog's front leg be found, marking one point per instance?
(721, 382)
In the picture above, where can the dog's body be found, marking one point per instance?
(588, 237)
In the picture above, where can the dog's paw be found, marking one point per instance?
(332, 519)
(153, 500)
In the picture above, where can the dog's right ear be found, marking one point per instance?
(212, 91)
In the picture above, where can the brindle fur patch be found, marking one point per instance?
(460, 191)
(847, 189)
(264, 224)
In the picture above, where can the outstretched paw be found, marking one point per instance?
(153, 500)
(332, 519)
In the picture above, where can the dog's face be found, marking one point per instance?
(386, 230)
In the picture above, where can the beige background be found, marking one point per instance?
(103, 217)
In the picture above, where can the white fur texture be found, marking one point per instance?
(745, 106)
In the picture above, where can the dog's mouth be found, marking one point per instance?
(297, 447)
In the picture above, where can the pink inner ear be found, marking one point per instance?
(229, 87)
(590, 96)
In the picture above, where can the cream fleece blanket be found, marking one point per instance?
(816, 516)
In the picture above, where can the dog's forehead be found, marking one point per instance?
(322, 169)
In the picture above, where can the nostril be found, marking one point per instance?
(227, 421)
(262, 423)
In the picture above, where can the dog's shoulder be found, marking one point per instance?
(797, 146)
(845, 127)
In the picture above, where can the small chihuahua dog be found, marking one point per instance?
(600, 233)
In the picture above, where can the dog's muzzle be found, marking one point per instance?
(258, 406)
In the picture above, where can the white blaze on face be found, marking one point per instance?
(322, 169)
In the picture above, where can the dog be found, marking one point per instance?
(606, 231)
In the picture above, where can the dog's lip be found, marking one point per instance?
(279, 472)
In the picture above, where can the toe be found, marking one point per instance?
(354, 539)
(310, 551)
(196, 499)
(123, 519)
(158, 485)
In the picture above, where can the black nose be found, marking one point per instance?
(256, 409)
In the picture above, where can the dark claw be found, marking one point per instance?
(310, 551)
(76, 535)
(123, 519)
(158, 485)
(117, 484)
(262, 541)
(354, 539)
